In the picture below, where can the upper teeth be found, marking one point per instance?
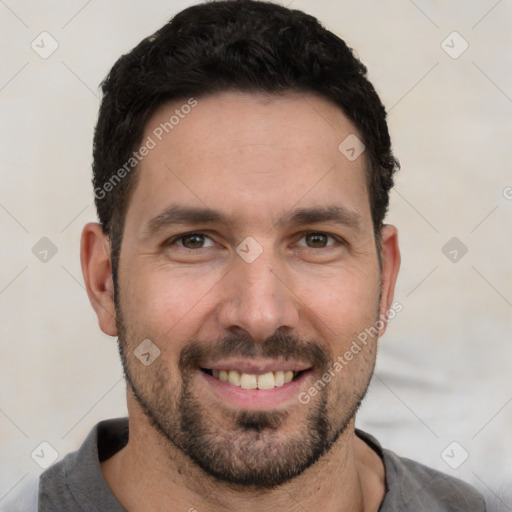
(252, 381)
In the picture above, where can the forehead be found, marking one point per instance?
(251, 155)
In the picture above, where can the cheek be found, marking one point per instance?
(344, 304)
(161, 304)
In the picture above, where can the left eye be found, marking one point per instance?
(316, 240)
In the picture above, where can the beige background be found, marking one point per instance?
(445, 362)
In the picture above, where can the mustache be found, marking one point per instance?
(277, 346)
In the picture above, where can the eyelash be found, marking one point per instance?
(177, 238)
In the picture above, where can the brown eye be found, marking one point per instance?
(194, 241)
(317, 240)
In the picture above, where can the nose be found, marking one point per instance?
(256, 300)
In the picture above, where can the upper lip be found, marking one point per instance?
(256, 366)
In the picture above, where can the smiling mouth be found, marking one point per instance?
(268, 380)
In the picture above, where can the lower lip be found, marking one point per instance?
(256, 399)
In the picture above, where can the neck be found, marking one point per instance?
(151, 474)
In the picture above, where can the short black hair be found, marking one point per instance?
(243, 45)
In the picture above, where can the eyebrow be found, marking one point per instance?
(316, 215)
(196, 215)
(184, 215)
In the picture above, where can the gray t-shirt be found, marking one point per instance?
(76, 483)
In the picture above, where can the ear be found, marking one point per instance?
(390, 265)
(97, 272)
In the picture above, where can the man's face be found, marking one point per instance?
(277, 273)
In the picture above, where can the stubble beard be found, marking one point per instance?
(254, 451)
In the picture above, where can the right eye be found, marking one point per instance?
(192, 241)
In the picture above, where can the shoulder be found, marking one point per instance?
(411, 486)
(75, 482)
(422, 488)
